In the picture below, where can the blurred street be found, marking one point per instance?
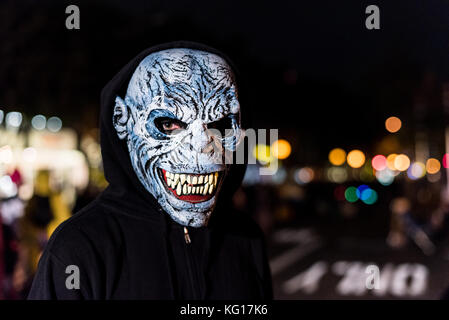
(324, 250)
(307, 264)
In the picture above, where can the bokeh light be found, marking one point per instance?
(390, 161)
(337, 174)
(446, 160)
(416, 170)
(339, 193)
(433, 166)
(369, 196)
(14, 119)
(262, 153)
(401, 162)
(360, 190)
(379, 162)
(393, 124)
(337, 156)
(54, 124)
(351, 194)
(363, 192)
(367, 172)
(39, 122)
(385, 177)
(304, 175)
(281, 149)
(356, 158)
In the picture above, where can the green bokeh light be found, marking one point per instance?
(351, 194)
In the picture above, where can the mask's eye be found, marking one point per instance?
(169, 125)
(224, 125)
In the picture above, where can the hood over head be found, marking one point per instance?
(125, 185)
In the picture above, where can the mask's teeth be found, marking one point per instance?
(211, 178)
(215, 179)
(184, 184)
(169, 182)
(211, 188)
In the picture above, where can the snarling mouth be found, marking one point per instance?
(191, 187)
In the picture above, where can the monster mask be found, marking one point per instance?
(179, 117)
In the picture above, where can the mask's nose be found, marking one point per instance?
(202, 141)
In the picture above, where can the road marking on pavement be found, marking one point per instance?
(306, 243)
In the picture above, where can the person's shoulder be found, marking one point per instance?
(86, 228)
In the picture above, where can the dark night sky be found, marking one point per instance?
(309, 68)
(331, 33)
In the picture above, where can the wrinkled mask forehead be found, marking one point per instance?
(188, 83)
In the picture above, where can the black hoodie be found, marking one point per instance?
(126, 247)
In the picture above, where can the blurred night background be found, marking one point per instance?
(363, 119)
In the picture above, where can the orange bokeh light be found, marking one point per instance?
(356, 158)
(281, 149)
(393, 124)
(433, 166)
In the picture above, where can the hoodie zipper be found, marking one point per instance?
(190, 265)
(187, 236)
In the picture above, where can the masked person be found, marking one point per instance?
(164, 228)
